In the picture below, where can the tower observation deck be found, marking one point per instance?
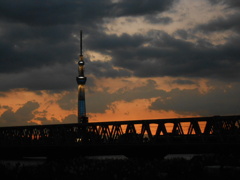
(81, 81)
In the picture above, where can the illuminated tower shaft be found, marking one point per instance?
(81, 80)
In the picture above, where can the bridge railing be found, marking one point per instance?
(182, 130)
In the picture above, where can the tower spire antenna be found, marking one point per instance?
(81, 43)
(81, 80)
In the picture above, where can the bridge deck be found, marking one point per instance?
(153, 136)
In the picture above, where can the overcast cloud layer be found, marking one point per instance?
(40, 35)
(40, 45)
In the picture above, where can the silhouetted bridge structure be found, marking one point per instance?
(217, 134)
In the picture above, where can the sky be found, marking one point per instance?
(144, 59)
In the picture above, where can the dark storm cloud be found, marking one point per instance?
(98, 102)
(52, 12)
(48, 77)
(136, 7)
(37, 44)
(106, 43)
(21, 116)
(226, 22)
(74, 12)
(165, 55)
(2, 95)
(72, 118)
(106, 69)
(169, 56)
(45, 121)
(219, 101)
(183, 34)
(68, 101)
(158, 20)
(183, 82)
(229, 3)
(230, 22)
(35, 35)
(34, 48)
(5, 107)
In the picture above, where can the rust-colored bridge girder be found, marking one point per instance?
(164, 133)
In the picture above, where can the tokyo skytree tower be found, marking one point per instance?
(81, 81)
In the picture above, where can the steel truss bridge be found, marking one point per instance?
(217, 134)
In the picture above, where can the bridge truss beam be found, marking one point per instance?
(182, 132)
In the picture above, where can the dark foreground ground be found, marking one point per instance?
(199, 167)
